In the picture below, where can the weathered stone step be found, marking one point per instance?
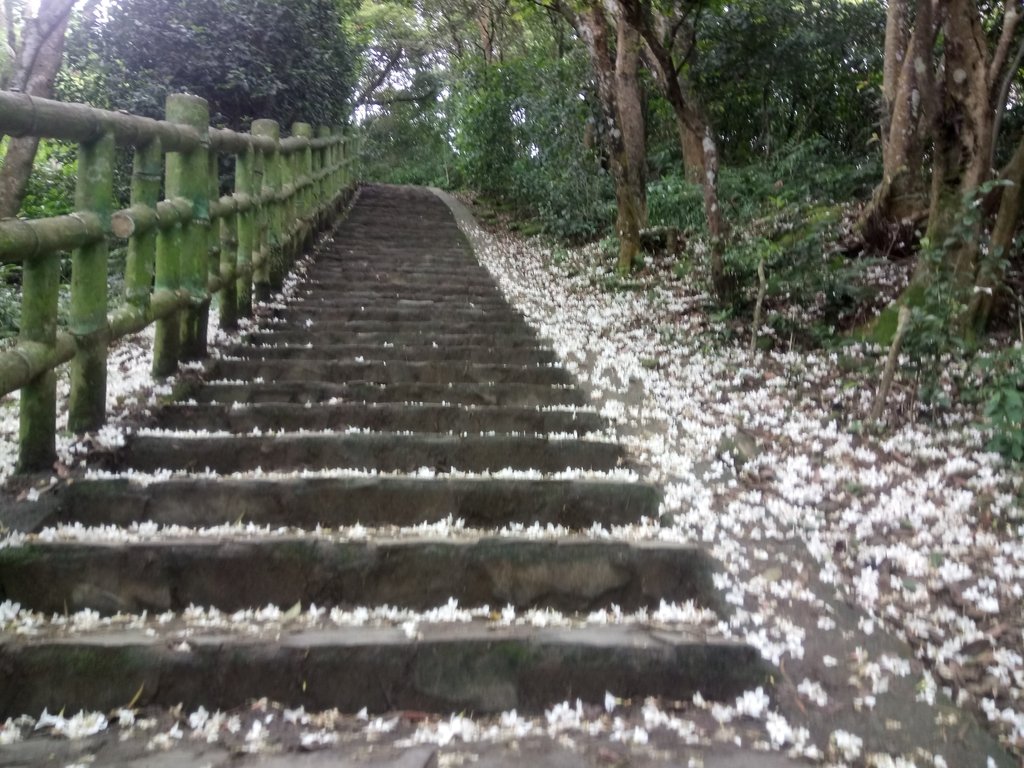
(511, 395)
(499, 327)
(361, 281)
(374, 501)
(451, 271)
(449, 668)
(391, 300)
(385, 372)
(423, 336)
(300, 312)
(409, 353)
(391, 417)
(323, 286)
(386, 452)
(377, 255)
(571, 575)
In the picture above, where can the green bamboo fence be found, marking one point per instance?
(182, 249)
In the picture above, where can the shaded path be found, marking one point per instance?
(397, 389)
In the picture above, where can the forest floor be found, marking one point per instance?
(881, 573)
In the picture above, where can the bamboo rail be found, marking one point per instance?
(182, 249)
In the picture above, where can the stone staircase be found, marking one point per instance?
(397, 394)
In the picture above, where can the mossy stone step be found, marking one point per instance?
(385, 372)
(411, 353)
(571, 575)
(385, 452)
(342, 291)
(509, 395)
(372, 501)
(379, 417)
(447, 668)
(299, 312)
(415, 337)
(445, 326)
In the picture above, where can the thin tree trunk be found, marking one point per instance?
(691, 119)
(622, 130)
(631, 111)
(908, 94)
(39, 60)
(7, 44)
(1007, 220)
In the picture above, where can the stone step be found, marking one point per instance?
(371, 501)
(447, 668)
(571, 575)
(444, 326)
(299, 312)
(385, 452)
(385, 372)
(416, 337)
(510, 395)
(343, 291)
(380, 417)
(454, 278)
(442, 302)
(419, 353)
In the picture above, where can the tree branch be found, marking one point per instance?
(1003, 97)
(1011, 18)
(388, 68)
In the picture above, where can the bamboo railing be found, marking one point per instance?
(182, 249)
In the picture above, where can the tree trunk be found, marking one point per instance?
(693, 153)
(963, 133)
(691, 124)
(630, 110)
(908, 93)
(622, 127)
(7, 44)
(38, 62)
(1007, 221)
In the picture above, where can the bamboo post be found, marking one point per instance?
(167, 344)
(289, 218)
(323, 164)
(246, 232)
(271, 241)
(187, 177)
(139, 269)
(88, 317)
(342, 179)
(304, 164)
(228, 268)
(40, 284)
(213, 244)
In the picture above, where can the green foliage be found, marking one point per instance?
(521, 139)
(487, 121)
(51, 187)
(249, 58)
(404, 145)
(1001, 392)
(787, 211)
(774, 73)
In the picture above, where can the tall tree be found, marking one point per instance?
(949, 65)
(248, 58)
(623, 127)
(671, 42)
(37, 61)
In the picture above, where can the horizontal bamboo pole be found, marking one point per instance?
(24, 239)
(27, 360)
(139, 219)
(231, 142)
(24, 115)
